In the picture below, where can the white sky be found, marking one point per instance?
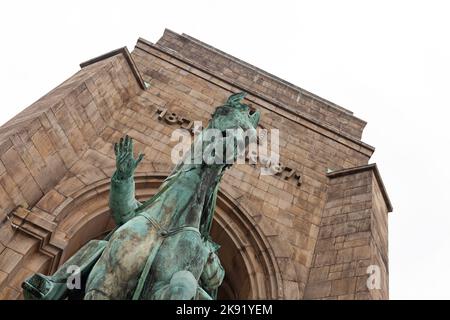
(388, 62)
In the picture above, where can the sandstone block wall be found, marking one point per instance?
(352, 238)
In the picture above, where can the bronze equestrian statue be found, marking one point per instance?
(160, 249)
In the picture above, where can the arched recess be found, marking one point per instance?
(251, 268)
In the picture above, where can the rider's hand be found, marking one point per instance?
(125, 162)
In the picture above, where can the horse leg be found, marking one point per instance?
(116, 273)
(57, 286)
(96, 295)
(182, 286)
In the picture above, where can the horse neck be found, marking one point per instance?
(203, 190)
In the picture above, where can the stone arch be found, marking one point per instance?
(251, 268)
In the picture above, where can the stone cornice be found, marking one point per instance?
(269, 75)
(123, 51)
(370, 167)
(39, 228)
(221, 62)
(342, 137)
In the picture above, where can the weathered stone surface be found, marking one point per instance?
(9, 259)
(349, 247)
(316, 290)
(9, 293)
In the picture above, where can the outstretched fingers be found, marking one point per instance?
(139, 159)
(121, 141)
(124, 149)
(122, 146)
(130, 145)
(116, 149)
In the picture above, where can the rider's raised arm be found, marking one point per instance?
(122, 201)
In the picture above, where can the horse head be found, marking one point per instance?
(235, 115)
(231, 128)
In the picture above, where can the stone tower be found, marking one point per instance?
(316, 230)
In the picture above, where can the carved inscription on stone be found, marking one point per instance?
(278, 168)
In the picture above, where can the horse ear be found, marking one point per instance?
(236, 98)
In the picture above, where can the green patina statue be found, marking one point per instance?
(160, 249)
